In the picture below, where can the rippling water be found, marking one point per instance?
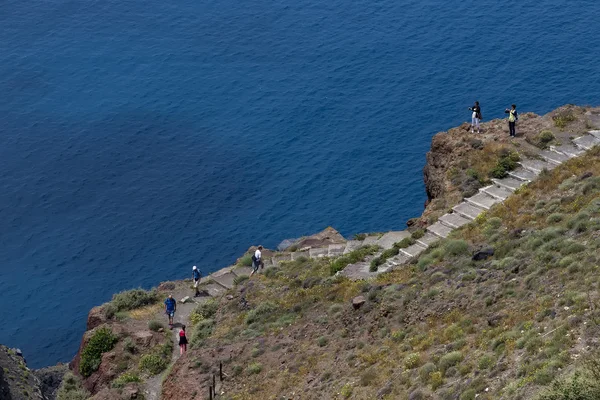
(140, 138)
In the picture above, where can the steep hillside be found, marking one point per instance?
(444, 327)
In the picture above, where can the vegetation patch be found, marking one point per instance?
(102, 340)
(353, 257)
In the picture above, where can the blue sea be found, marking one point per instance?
(139, 138)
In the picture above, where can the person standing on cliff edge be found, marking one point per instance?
(196, 276)
(513, 117)
(170, 308)
(475, 117)
(257, 260)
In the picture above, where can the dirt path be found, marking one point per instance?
(153, 386)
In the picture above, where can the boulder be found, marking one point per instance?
(130, 391)
(358, 301)
(286, 244)
(325, 237)
(483, 254)
(142, 338)
(96, 317)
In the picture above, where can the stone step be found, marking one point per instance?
(387, 240)
(511, 184)
(370, 240)
(214, 289)
(352, 245)
(567, 150)
(586, 142)
(595, 133)
(318, 252)
(298, 254)
(357, 271)
(398, 259)
(337, 249)
(496, 192)
(281, 257)
(554, 157)
(523, 174)
(414, 250)
(225, 280)
(536, 166)
(453, 220)
(427, 239)
(439, 229)
(239, 271)
(467, 210)
(482, 200)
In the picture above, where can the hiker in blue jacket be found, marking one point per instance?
(196, 276)
(170, 308)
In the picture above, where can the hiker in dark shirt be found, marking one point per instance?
(170, 308)
(475, 117)
(196, 276)
(513, 117)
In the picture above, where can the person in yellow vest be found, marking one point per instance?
(513, 116)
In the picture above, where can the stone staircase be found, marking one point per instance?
(463, 213)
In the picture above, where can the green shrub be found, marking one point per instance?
(263, 309)
(450, 360)
(125, 378)
(468, 394)
(245, 260)
(404, 243)
(456, 247)
(201, 331)
(353, 257)
(155, 325)
(346, 391)
(398, 336)
(412, 361)
(418, 234)
(544, 138)
(436, 379)
(322, 341)
(554, 218)
(152, 363)
(254, 368)
(577, 387)
(562, 118)
(128, 345)
(426, 370)
(72, 389)
(486, 361)
(132, 299)
(102, 340)
(205, 310)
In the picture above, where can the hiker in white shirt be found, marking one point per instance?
(257, 260)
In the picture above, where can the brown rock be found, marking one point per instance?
(130, 391)
(358, 301)
(323, 238)
(143, 338)
(96, 317)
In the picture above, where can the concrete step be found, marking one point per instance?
(318, 252)
(523, 174)
(439, 229)
(427, 239)
(453, 220)
(352, 245)
(214, 289)
(239, 271)
(298, 254)
(337, 249)
(467, 210)
(568, 150)
(536, 166)
(371, 240)
(496, 192)
(414, 250)
(509, 183)
(554, 157)
(586, 142)
(398, 259)
(225, 280)
(357, 271)
(280, 257)
(595, 133)
(482, 200)
(387, 240)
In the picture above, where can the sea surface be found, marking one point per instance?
(139, 138)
